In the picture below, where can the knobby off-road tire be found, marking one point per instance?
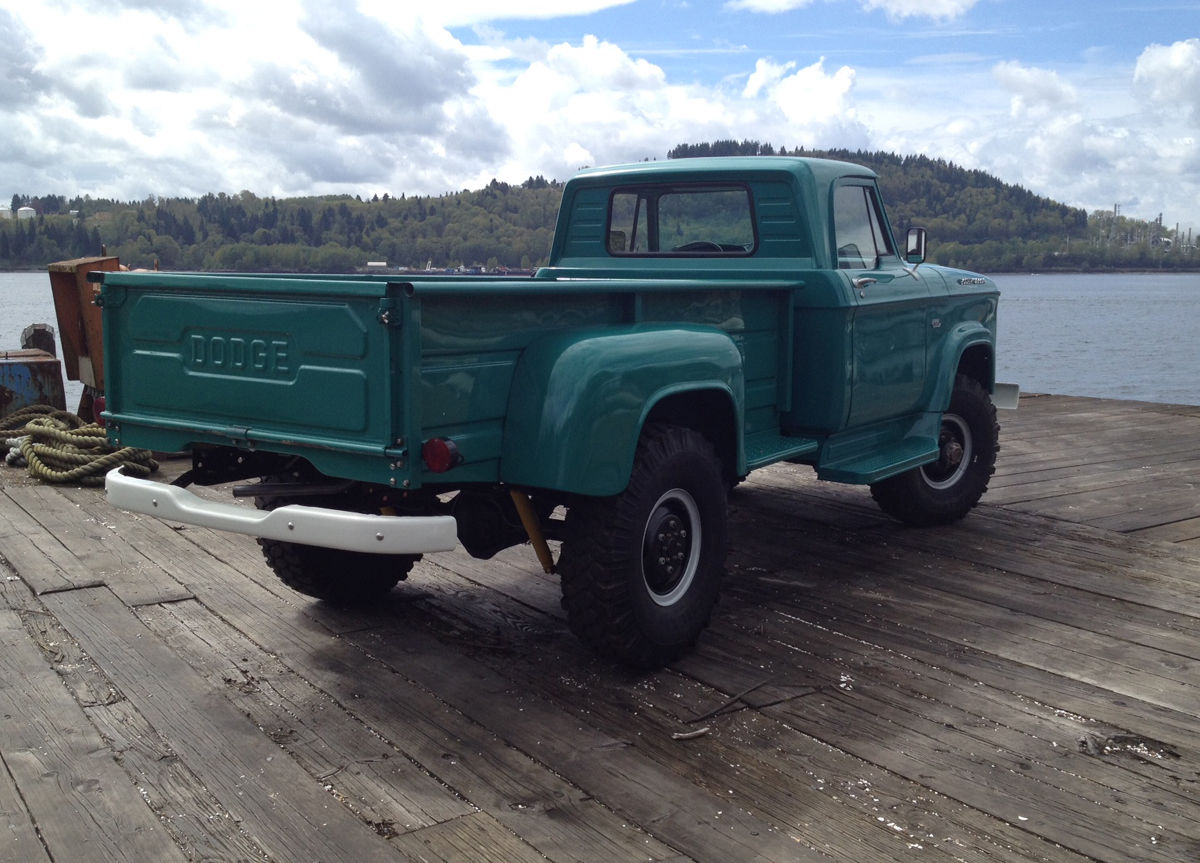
(641, 570)
(946, 490)
(349, 578)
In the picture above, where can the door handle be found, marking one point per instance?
(861, 283)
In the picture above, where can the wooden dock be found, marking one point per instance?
(1024, 686)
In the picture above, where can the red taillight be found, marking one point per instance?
(440, 454)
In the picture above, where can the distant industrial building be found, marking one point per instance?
(26, 213)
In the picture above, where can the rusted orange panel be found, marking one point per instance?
(80, 326)
(30, 377)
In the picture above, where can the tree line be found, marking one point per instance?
(974, 221)
(499, 226)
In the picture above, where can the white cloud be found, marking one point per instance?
(936, 9)
(770, 7)
(767, 73)
(283, 98)
(588, 101)
(1170, 75)
(592, 103)
(895, 9)
(465, 13)
(1035, 92)
(811, 95)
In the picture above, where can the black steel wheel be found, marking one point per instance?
(641, 570)
(947, 489)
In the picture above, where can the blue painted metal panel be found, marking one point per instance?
(30, 377)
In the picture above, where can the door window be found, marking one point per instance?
(858, 228)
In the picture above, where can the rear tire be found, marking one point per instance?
(337, 576)
(349, 578)
(946, 490)
(641, 570)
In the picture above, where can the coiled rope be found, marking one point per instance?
(57, 446)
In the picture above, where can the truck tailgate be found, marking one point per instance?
(285, 363)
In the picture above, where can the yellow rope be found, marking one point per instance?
(60, 448)
(16, 420)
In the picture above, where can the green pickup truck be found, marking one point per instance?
(698, 319)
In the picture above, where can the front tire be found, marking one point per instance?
(641, 570)
(946, 490)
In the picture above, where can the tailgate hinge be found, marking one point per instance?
(389, 313)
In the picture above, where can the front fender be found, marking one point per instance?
(579, 399)
(944, 364)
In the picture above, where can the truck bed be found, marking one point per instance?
(349, 372)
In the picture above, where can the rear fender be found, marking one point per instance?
(579, 400)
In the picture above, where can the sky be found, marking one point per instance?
(1092, 104)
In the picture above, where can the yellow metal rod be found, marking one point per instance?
(533, 529)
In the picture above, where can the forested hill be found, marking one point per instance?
(977, 222)
(974, 221)
(955, 204)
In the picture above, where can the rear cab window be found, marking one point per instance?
(682, 220)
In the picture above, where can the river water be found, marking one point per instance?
(1114, 336)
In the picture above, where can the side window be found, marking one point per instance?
(681, 220)
(858, 228)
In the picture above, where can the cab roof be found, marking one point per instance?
(803, 168)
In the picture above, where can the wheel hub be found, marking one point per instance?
(671, 547)
(666, 548)
(952, 453)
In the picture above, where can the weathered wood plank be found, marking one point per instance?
(1120, 465)
(130, 575)
(1153, 600)
(1061, 450)
(1075, 753)
(1156, 677)
(83, 805)
(902, 692)
(1032, 757)
(242, 768)
(958, 760)
(381, 785)
(199, 824)
(1032, 487)
(847, 825)
(83, 549)
(1153, 574)
(474, 838)
(1167, 455)
(1122, 508)
(530, 799)
(1181, 530)
(19, 840)
(534, 729)
(35, 554)
(608, 764)
(919, 700)
(972, 676)
(1144, 573)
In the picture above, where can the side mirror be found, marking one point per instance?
(915, 248)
